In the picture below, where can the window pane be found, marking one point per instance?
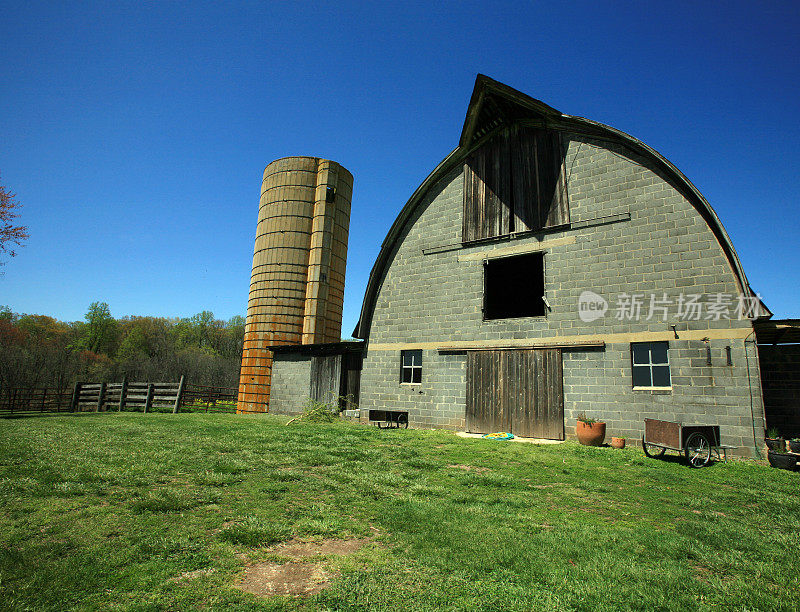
(416, 358)
(658, 350)
(661, 376)
(641, 376)
(641, 352)
(406, 358)
(406, 375)
(417, 375)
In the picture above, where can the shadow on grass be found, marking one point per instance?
(29, 415)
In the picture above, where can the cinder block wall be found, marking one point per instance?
(780, 372)
(291, 380)
(434, 299)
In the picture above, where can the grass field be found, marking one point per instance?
(161, 511)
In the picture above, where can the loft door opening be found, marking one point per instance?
(514, 287)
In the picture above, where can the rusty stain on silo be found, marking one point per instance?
(297, 282)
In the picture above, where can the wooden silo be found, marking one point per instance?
(297, 282)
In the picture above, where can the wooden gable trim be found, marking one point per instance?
(515, 182)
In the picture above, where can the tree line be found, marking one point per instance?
(40, 351)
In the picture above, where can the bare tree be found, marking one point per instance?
(10, 233)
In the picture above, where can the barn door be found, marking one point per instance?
(486, 393)
(326, 378)
(519, 391)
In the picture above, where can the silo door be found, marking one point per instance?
(520, 391)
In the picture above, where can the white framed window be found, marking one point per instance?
(411, 367)
(650, 365)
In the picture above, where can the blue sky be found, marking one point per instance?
(135, 134)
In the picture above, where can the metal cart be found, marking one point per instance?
(389, 419)
(695, 442)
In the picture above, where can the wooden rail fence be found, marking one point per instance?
(101, 397)
(94, 397)
(210, 399)
(35, 400)
(119, 396)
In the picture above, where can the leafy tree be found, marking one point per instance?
(39, 351)
(42, 329)
(134, 344)
(10, 233)
(100, 333)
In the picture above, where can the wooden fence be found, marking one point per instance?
(144, 396)
(105, 397)
(210, 399)
(94, 397)
(36, 400)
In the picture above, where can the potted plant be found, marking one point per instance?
(774, 441)
(618, 442)
(784, 461)
(590, 432)
(794, 445)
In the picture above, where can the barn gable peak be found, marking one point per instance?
(494, 104)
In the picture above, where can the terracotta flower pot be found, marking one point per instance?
(618, 442)
(590, 434)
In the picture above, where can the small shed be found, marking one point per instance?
(327, 373)
(779, 358)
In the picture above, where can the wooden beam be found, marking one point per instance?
(178, 396)
(101, 396)
(455, 348)
(76, 395)
(149, 400)
(122, 392)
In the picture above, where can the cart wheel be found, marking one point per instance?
(698, 450)
(652, 451)
(402, 421)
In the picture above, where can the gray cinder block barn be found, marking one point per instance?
(550, 265)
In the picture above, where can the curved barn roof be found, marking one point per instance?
(494, 105)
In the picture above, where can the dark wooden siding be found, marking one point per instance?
(326, 378)
(520, 391)
(350, 387)
(515, 183)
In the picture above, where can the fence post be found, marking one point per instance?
(100, 397)
(149, 400)
(76, 396)
(13, 399)
(44, 396)
(123, 390)
(179, 396)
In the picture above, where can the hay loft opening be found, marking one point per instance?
(514, 287)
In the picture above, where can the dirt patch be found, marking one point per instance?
(302, 574)
(297, 550)
(470, 468)
(292, 578)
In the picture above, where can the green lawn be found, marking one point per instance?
(161, 511)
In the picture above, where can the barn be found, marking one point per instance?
(550, 266)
